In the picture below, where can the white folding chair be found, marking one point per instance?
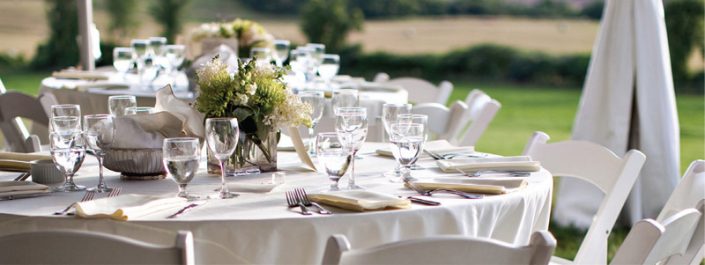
(83, 247)
(422, 91)
(690, 193)
(650, 242)
(481, 111)
(443, 250)
(441, 119)
(15, 105)
(599, 166)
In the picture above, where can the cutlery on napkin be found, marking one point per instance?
(360, 200)
(510, 163)
(17, 189)
(438, 146)
(130, 206)
(476, 185)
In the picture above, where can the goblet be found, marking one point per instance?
(317, 102)
(345, 98)
(123, 57)
(222, 136)
(390, 113)
(99, 131)
(408, 139)
(65, 119)
(281, 51)
(334, 155)
(330, 63)
(415, 118)
(351, 127)
(68, 152)
(118, 104)
(139, 110)
(180, 156)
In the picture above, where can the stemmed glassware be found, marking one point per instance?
(123, 57)
(390, 113)
(262, 56)
(334, 155)
(181, 156)
(156, 45)
(419, 119)
(317, 51)
(317, 102)
(281, 51)
(139, 110)
(99, 132)
(117, 105)
(330, 63)
(222, 136)
(65, 118)
(408, 139)
(174, 55)
(351, 127)
(345, 98)
(68, 152)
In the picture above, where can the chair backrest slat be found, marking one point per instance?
(422, 91)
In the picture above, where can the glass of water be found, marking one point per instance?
(317, 51)
(317, 102)
(156, 46)
(408, 139)
(345, 98)
(67, 152)
(351, 127)
(139, 110)
(175, 55)
(123, 57)
(181, 156)
(281, 51)
(334, 155)
(390, 113)
(65, 118)
(419, 119)
(222, 136)
(329, 67)
(99, 132)
(119, 104)
(262, 56)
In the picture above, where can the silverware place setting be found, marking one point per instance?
(298, 197)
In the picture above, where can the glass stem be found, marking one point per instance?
(223, 187)
(100, 171)
(352, 170)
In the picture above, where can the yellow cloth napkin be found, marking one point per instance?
(23, 156)
(438, 146)
(83, 75)
(475, 185)
(14, 165)
(360, 200)
(129, 206)
(21, 188)
(510, 163)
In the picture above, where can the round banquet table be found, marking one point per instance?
(259, 228)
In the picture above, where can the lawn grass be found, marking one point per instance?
(525, 109)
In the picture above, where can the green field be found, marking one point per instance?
(525, 109)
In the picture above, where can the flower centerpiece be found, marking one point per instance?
(261, 102)
(246, 35)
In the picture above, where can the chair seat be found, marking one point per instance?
(555, 260)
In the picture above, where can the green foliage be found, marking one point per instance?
(684, 24)
(170, 14)
(593, 10)
(123, 17)
(329, 22)
(61, 49)
(275, 6)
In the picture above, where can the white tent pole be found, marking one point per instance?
(85, 20)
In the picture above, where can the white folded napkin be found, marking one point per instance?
(21, 188)
(252, 187)
(14, 165)
(438, 146)
(192, 120)
(360, 200)
(510, 163)
(26, 157)
(83, 75)
(473, 185)
(129, 206)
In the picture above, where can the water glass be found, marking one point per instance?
(119, 104)
(181, 156)
(222, 136)
(99, 131)
(390, 113)
(139, 110)
(345, 98)
(317, 101)
(156, 46)
(408, 139)
(262, 56)
(329, 66)
(175, 55)
(317, 51)
(140, 47)
(67, 152)
(68, 118)
(281, 51)
(123, 57)
(351, 127)
(334, 156)
(415, 118)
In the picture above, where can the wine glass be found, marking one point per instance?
(329, 67)
(298, 60)
(122, 59)
(118, 104)
(262, 56)
(139, 110)
(281, 51)
(351, 127)
(390, 113)
(345, 98)
(140, 47)
(174, 56)
(317, 102)
(317, 51)
(222, 136)
(181, 156)
(156, 45)
(415, 118)
(99, 131)
(67, 152)
(334, 155)
(408, 139)
(65, 118)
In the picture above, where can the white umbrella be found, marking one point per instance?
(627, 103)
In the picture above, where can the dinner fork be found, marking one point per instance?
(86, 197)
(293, 201)
(23, 176)
(476, 174)
(303, 197)
(114, 192)
(448, 191)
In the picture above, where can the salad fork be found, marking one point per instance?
(293, 201)
(303, 197)
(86, 197)
(429, 193)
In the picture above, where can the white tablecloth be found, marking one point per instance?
(258, 228)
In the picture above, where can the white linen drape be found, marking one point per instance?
(630, 64)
